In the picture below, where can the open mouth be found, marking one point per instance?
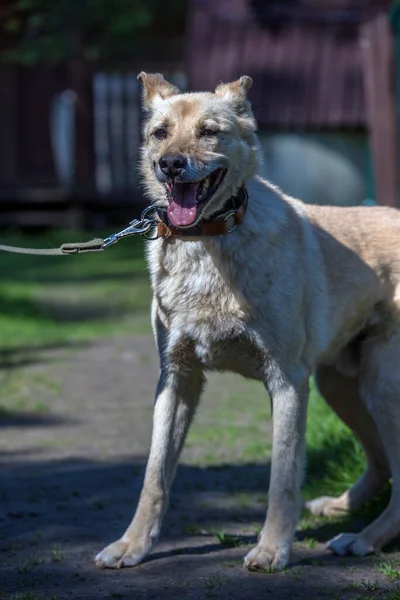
(186, 198)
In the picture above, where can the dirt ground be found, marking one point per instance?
(70, 478)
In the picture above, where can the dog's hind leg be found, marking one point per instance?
(178, 393)
(380, 388)
(343, 395)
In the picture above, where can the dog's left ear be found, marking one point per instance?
(235, 89)
(237, 92)
(155, 87)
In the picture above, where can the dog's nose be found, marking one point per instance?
(172, 165)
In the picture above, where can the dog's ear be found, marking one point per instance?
(236, 91)
(155, 87)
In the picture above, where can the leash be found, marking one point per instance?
(151, 227)
(79, 247)
(140, 226)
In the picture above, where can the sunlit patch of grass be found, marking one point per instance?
(390, 568)
(59, 300)
(237, 425)
(335, 458)
(19, 390)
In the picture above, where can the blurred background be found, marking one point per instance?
(78, 366)
(324, 94)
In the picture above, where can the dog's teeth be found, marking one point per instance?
(205, 184)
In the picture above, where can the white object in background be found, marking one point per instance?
(62, 135)
(102, 143)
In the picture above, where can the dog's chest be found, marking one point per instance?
(207, 308)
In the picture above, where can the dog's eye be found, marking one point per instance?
(160, 134)
(208, 132)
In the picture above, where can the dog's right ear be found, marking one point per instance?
(155, 87)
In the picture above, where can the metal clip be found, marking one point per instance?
(136, 227)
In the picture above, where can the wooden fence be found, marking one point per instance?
(69, 146)
(117, 125)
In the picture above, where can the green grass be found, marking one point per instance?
(48, 301)
(237, 430)
(228, 433)
(233, 425)
(56, 554)
(335, 458)
(390, 568)
(230, 541)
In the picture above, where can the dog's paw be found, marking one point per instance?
(346, 544)
(326, 506)
(121, 553)
(263, 558)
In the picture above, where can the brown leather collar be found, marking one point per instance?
(220, 225)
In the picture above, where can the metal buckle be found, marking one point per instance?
(153, 223)
(230, 214)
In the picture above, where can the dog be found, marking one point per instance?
(249, 280)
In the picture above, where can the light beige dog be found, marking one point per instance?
(287, 291)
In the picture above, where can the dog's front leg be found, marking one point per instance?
(178, 392)
(289, 398)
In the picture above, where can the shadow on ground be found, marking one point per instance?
(23, 356)
(11, 418)
(57, 514)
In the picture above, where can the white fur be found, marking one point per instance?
(285, 294)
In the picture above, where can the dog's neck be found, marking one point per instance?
(221, 223)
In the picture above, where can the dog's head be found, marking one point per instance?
(199, 148)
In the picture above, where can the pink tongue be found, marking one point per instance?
(182, 209)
